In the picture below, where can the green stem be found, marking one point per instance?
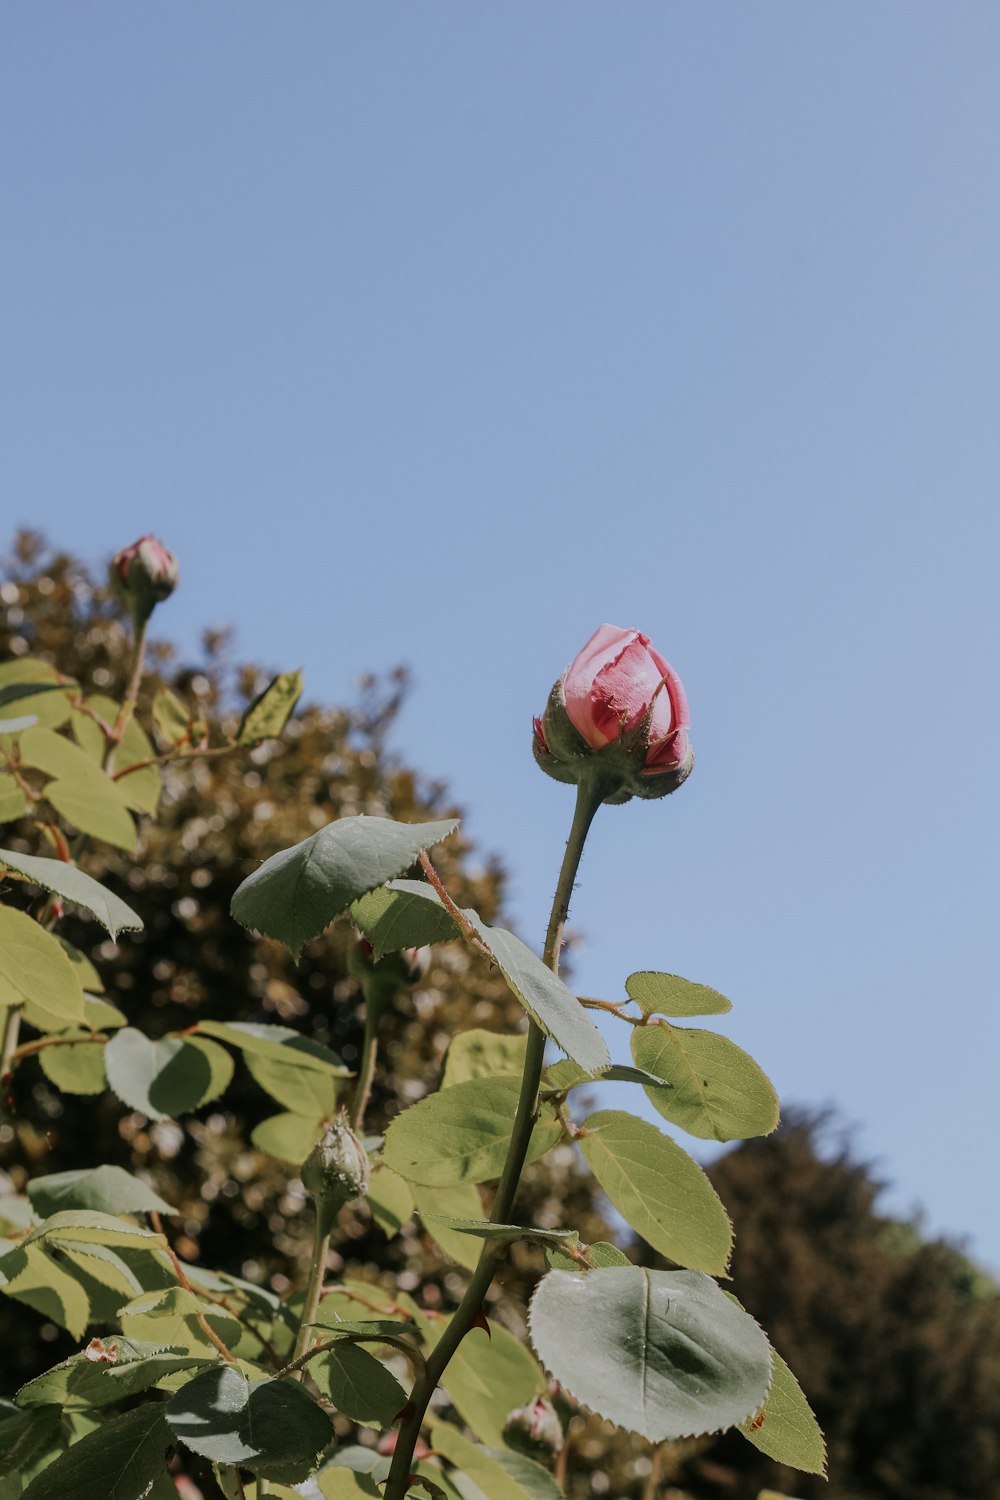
(314, 1291)
(589, 796)
(369, 1056)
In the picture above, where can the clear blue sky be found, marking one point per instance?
(441, 333)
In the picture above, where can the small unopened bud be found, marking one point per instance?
(143, 575)
(336, 1170)
(534, 1430)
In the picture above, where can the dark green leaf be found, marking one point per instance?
(271, 710)
(461, 1134)
(108, 1189)
(662, 1353)
(26, 1437)
(658, 1189)
(165, 1078)
(119, 1461)
(401, 916)
(568, 1075)
(719, 1093)
(297, 893)
(359, 1386)
(484, 1230)
(72, 883)
(272, 1427)
(669, 995)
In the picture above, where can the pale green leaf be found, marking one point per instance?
(171, 717)
(658, 1189)
(140, 788)
(281, 1043)
(483, 1229)
(171, 1318)
(484, 1054)
(461, 1134)
(389, 1198)
(719, 1093)
(600, 1253)
(302, 1089)
(100, 1015)
(79, 1226)
(37, 969)
(568, 1075)
(50, 703)
(75, 885)
(438, 1206)
(30, 1275)
(118, 1461)
(662, 1353)
(358, 1384)
(13, 802)
(165, 1078)
(107, 1189)
(290, 1137)
(88, 975)
(785, 1428)
(500, 1474)
(271, 710)
(488, 1377)
(669, 995)
(297, 893)
(75, 1069)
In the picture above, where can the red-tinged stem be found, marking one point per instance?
(590, 794)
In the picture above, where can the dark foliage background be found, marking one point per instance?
(895, 1339)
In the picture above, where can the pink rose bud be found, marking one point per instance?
(336, 1171)
(618, 713)
(143, 575)
(535, 1430)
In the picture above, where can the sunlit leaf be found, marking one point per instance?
(719, 1092)
(75, 885)
(271, 710)
(461, 1134)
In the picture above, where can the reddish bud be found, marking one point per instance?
(534, 1430)
(144, 574)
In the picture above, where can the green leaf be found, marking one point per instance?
(88, 975)
(13, 692)
(302, 1089)
(365, 1330)
(297, 893)
(568, 1075)
(669, 995)
(108, 1189)
(719, 1093)
(271, 710)
(544, 996)
(281, 1043)
(501, 1474)
(484, 1054)
(488, 1377)
(13, 802)
(662, 1353)
(506, 1233)
(25, 1439)
(290, 1137)
(140, 789)
(438, 1205)
(30, 1275)
(100, 1015)
(100, 1375)
(402, 916)
(389, 1199)
(600, 1253)
(359, 1386)
(80, 792)
(170, 1318)
(36, 967)
(461, 1134)
(272, 1427)
(785, 1428)
(79, 1226)
(119, 1461)
(658, 1189)
(49, 702)
(171, 717)
(166, 1078)
(75, 1069)
(72, 883)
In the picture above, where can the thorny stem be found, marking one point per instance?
(590, 794)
